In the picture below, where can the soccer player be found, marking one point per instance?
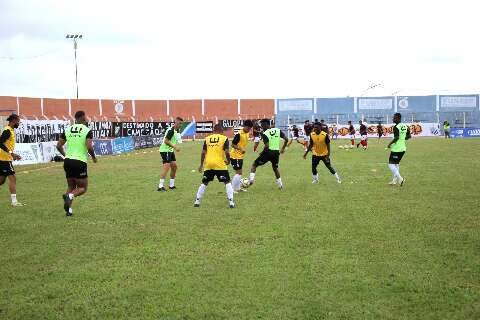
(271, 152)
(320, 147)
(257, 130)
(307, 129)
(446, 129)
(7, 156)
(364, 135)
(401, 133)
(79, 139)
(215, 159)
(295, 136)
(335, 132)
(379, 131)
(351, 131)
(167, 153)
(239, 148)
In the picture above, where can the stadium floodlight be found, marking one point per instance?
(75, 38)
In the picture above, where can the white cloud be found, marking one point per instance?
(191, 49)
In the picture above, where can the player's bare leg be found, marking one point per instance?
(163, 174)
(173, 173)
(278, 178)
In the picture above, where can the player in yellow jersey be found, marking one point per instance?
(320, 147)
(214, 160)
(237, 153)
(7, 156)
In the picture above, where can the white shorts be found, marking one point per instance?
(306, 138)
(352, 137)
(294, 138)
(364, 137)
(256, 139)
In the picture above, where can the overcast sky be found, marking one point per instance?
(245, 49)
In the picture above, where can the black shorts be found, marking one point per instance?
(316, 160)
(269, 155)
(6, 169)
(168, 157)
(75, 169)
(395, 157)
(237, 164)
(222, 176)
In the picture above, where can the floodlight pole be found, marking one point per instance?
(75, 37)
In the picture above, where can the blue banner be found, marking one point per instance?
(465, 132)
(102, 147)
(417, 104)
(122, 145)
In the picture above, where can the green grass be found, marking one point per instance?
(359, 250)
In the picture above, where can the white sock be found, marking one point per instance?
(71, 196)
(395, 171)
(236, 182)
(172, 183)
(160, 185)
(201, 191)
(14, 198)
(315, 177)
(252, 176)
(337, 176)
(279, 182)
(229, 189)
(399, 177)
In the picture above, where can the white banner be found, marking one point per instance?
(30, 153)
(458, 102)
(295, 105)
(30, 131)
(375, 103)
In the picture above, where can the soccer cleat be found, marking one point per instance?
(243, 190)
(17, 204)
(173, 188)
(314, 181)
(162, 189)
(196, 204)
(231, 204)
(402, 182)
(66, 202)
(69, 213)
(393, 182)
(339, 181)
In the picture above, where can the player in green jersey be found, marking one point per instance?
(79, 140)
(167, 152)
(398, 146)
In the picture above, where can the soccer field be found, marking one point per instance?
(359, 250)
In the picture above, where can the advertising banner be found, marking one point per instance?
(30, 131)
(102, 147)
(122, 145)
(103, 129)
(465, 132)
(375, 104)
(30, 153)
(49, 150)
(416, 129)
(139, 129)
(459, 103)
(295, 105)
(204, 127)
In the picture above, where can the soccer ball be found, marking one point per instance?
(245, 183)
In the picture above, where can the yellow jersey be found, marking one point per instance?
(215, 145)
(241, 140)
(319, 143)
(10, 144)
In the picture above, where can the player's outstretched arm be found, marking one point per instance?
(409, 135)
(309, 148)
(227, 153)
(285, 141)
(61, 142)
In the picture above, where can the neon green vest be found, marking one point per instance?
(400, 145)
(76, 142)
(273, 135)
(164, 147)
(446, 127)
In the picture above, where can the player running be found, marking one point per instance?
(167, 152)
(7, 156)
(271, 152)
(295, 136)
(351, 132)
(320, 147)
(237, 153)
(379, 131)
(401, 133)
(324, 126)
(364, 135)
(80, 142)
(212, 160)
